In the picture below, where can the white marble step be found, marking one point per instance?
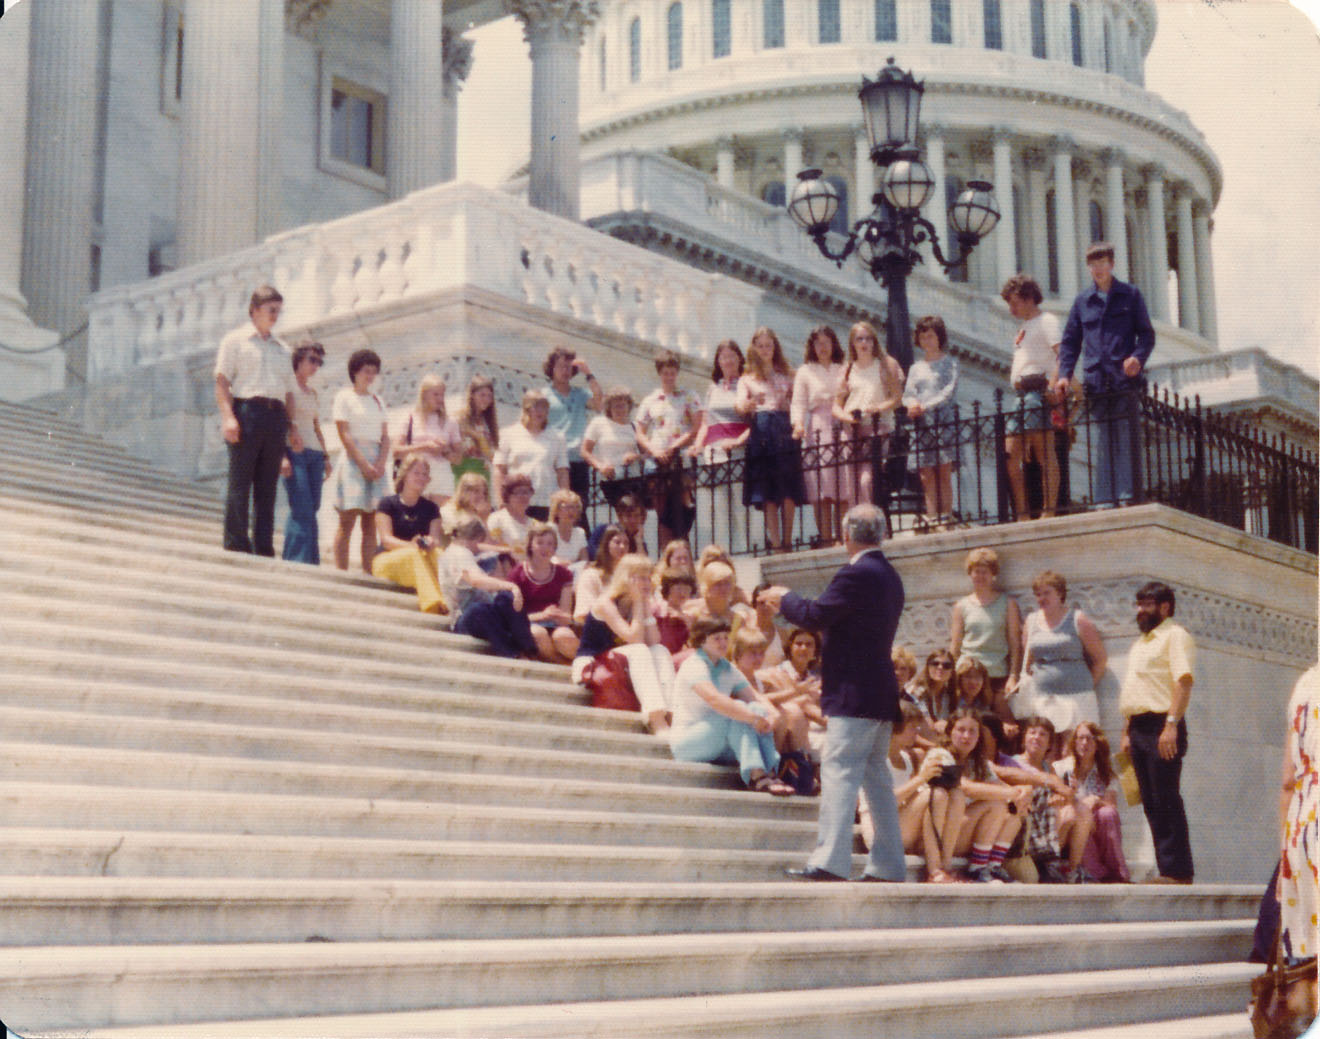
(47, 851)
(69, 467)
(40, 484)
(77, 806)
(970, 1009)
(161, 910)
(150, 984)
(94, 765)
(1221, 1026)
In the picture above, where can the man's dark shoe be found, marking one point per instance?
(867, 878)
(811, 873)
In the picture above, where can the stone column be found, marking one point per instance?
(864, 172)
(228, 124)
(1005, 231)
(938, 206)
(61, 131)
(554, 31)
(16, 328)
(1116, 211)
(415, 149)
(456, 52)
(270, 117)
(1189, 304)
(1038, 259)
(724, 163)
(1082, 214)
(1065, 226)
(792, 157)
(1205, 269)
(1158, 298)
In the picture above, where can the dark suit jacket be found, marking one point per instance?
(1102, 333)
(857, 616)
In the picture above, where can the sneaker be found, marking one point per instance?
(982, 875)
(1053, 873)
(1000, 874)
(1078, 876)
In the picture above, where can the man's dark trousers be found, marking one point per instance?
(1161, 797)
(254, 473)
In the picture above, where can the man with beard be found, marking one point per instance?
(1156, 691)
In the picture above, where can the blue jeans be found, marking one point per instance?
(508, 631)
(856, 758)
(1113, 416)
(718, 738)
(304, 490)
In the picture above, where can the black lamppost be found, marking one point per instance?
(885, 242)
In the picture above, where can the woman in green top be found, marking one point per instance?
(987, 626)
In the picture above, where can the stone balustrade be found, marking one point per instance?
(438, 239)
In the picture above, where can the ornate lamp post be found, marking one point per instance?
(885, 242)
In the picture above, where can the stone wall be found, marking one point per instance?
(1249, 603)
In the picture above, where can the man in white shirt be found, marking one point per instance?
(254, 388)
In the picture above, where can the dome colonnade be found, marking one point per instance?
(1044, 98)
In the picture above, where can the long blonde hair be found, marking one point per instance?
(482, 423)
(865, 326)
(778, 362)
(428, 383)
(626, 570)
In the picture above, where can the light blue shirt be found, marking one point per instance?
(689, 707)
(568, 417)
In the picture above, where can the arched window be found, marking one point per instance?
(1096, 220)
(674, 31)
(1051, 233)
(1075, 29)
(1109, 46)
(840, 221)
(604, 82)
(635, 50)
(941, 21)
(773, 193)
(953, 187)
(1038, 28)
(992, 19)
(772, 17)
(721, 23)
(827, 18)
(886, 21)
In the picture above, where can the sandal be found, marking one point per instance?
(942, 877)
(768, 784)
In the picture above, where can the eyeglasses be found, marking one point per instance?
(941, 665)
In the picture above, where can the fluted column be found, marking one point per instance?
(1038, 259)
(1116, 211)
(1205, 270)
(554, 30)
(1189, 303)
(61, 131)
(724, 161)
(937, 206)
(1065, 227)
(1158, 297)
(225, 157)
(864, 171)
(415, 150)
(1005, 231)
(792, 156)
(1082, 215)
(456, 53)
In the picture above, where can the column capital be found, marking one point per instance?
(793, 133)
(929, 130)
(1112, 157)
(1183, 190)
(1201, 207)
(456, 57)
(1082, 169)
(1002, 135)
(1153, 171)
(1061, 143)
(569, 19)
(1034, 159)
(724, 141)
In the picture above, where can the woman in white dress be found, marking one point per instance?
(360, 477)
(869, 392)
(815, 386)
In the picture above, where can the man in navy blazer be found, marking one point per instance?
(857, 615)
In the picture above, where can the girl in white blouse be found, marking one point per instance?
(871, 388)
(815, 388)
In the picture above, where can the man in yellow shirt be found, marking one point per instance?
(1156, 691)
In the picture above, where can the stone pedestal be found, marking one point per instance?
(554, 30)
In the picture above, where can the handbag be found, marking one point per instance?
(609, 683)
(1283, 1003)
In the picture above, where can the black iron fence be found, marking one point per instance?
(1108, 450)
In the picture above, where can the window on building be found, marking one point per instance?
(171, 68)
(773, 193)
(1051, 234)
(357, 125)
(993, 21)
(1038, 28)
(721, 28)
(1075, 31)
(674, 32)
(827, 15)
(941, 21)
(604, 69)
(635, 50)
(772, 17)
(1109, 46)
(1096, 220)
(886, 21)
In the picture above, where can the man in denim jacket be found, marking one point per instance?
(1109, 330)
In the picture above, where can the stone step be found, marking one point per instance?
(165, 910)
(455, 756)
(49, 851)
(908, 1011)
(100, 766)
(28, 415)
(66, 466)
(75, 806)
(198, 529)
(76, 443)
(32, 482)
(1222, 1026)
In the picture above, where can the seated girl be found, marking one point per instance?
(994, 810)
(547, 589)
(621, 621)
(796, 680)
(1059, 821)
(595, 576)
(676, 588)
(747, 650)
(976, 691)
(408, 535)
(487, 606)
(508, 526)
(935, 691)
(565, 511)
(1088, 771)
(715, 718)
(471, 500)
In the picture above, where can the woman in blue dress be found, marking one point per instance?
(932, 382)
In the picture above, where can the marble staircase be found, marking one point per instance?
(249, 798)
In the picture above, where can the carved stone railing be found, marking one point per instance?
(441, 239)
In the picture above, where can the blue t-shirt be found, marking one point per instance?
(568, 417)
